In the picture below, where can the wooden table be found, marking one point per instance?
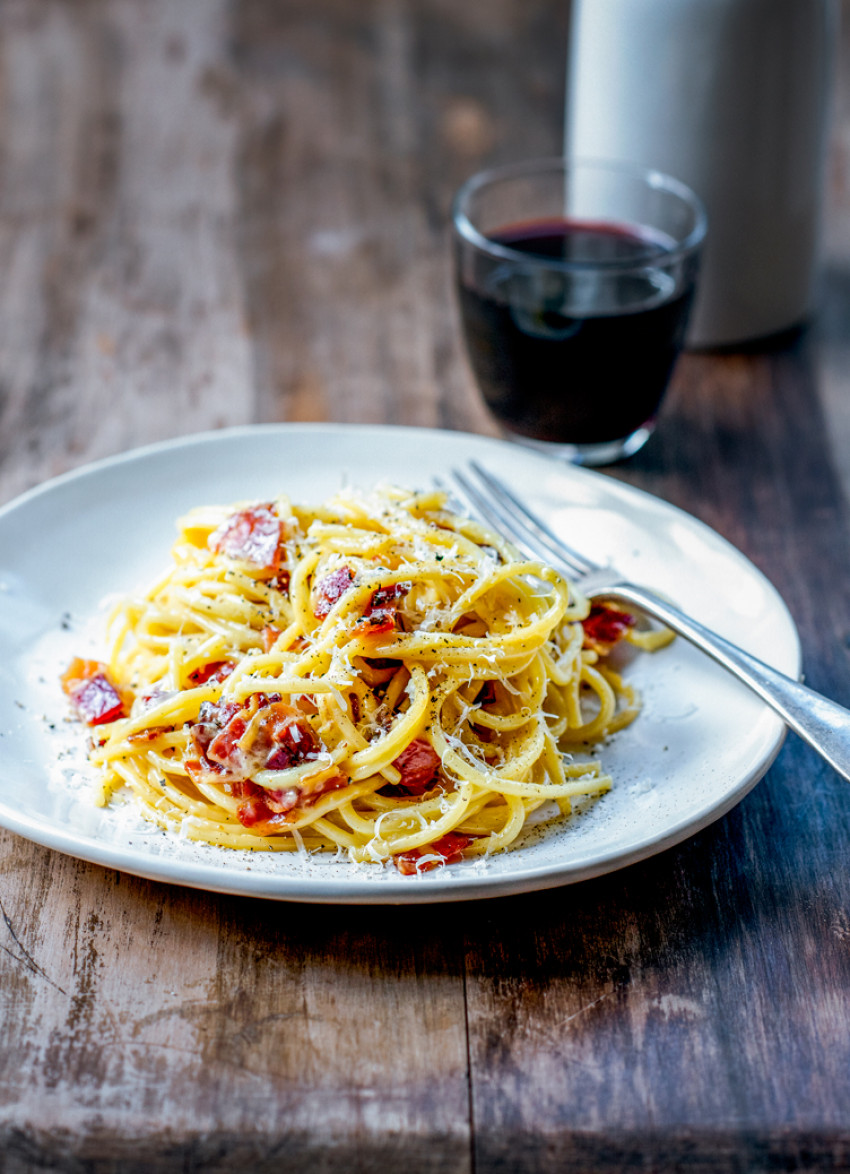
(215, 213)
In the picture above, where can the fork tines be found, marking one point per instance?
(501, 509)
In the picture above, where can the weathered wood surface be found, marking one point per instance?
(217, 213)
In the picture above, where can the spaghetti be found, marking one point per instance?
(376, 675)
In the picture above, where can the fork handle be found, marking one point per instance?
(818, 721)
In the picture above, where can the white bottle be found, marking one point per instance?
(732, 97)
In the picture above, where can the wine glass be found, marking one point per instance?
(575, 279)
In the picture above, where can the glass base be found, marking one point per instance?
(604, 452)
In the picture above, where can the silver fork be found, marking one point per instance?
(820, 722)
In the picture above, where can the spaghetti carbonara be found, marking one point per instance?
(376, 675)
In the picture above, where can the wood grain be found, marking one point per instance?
(122, 319)
(216, 213)
(358, 128)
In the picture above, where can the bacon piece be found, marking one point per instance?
(93, 695)
(486, 694)
(381, 610)
(224, 748)
(448, 850)
(156, 697)
(281, 582)
(331, 588)
(203, 771)
(605, 626)
(379, 614)
(289, 738)
(418, 764)
(254, 807)
(218, 670)
(269, 635)
(253, 536)
(212, 720)
(283, 738)
(305, 702)
(149, 735)
(271, 807)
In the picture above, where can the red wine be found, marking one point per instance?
(579, 354)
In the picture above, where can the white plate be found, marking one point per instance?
(700, 744)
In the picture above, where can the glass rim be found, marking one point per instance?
(652, 177)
